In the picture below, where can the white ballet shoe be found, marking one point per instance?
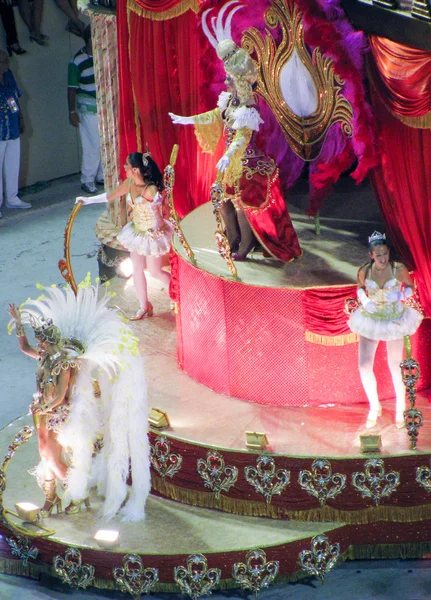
(372, 417)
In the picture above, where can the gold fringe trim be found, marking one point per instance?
(423, 122)
(331, 340)
(176, 11)
(326, 514)
(388, 551)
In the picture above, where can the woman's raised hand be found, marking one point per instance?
(177, 120)
(13, 310)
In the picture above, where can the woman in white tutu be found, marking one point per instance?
(148, 236)
(382, 286)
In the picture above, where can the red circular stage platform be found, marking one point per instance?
(279, 335)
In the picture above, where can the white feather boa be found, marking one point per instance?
(120, 414)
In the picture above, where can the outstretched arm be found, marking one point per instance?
(25, 347)
(101, 198)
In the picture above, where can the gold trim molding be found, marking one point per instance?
(176, 11)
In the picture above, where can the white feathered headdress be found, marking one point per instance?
(237, 62)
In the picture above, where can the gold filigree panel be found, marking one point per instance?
(304, 134)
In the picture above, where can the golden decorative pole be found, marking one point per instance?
(410, 373)
(65, 264)
(169, 181)
(216, 195)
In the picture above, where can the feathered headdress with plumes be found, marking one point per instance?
(237, 62)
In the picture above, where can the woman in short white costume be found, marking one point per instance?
(382, 316)
(148, 236)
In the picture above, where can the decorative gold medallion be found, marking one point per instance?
(133, 578)
(196, 579)
(423, 477)
(72, 571)
(256, 573)
(216, 475)
(265, 479)
(217, 196)
(317, 481)
(20, 547)
(321, 559)
(162, 460)
(304, 126)
(374, 483)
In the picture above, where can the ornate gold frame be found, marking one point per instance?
(305, 135)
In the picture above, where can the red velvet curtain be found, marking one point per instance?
(403, 188)
(159, 73)
(401, 93)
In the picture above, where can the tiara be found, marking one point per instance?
(230, 54)
(45, 330)
(145, 155)
(376, 235)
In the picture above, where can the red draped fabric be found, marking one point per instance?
(404, 76)
(403, 188)
(159, 74)
(324, 310)
(401, 93)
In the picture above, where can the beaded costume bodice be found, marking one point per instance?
(146, 216)
(387, 309)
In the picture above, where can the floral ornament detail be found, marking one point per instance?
(265, 479)
(321, 559)
(374, 483)
(217, 476)
(20, 547)
(410, 373)
(317, 481)
(217, 199)
(21, 437)
(133, 577)
(72, 571)
(256, 573)
(423, 477)
(196, 579)
(166, 464)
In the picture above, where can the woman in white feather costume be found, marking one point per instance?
(92, 343)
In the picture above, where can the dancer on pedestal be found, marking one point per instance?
(382, 285)
(78, 340)
(148, 236)
(253, 204)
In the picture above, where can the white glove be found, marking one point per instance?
(223, 164)
(99, 199)
(407, 292)
(177, 120)
(366, 302)
(394, 296)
